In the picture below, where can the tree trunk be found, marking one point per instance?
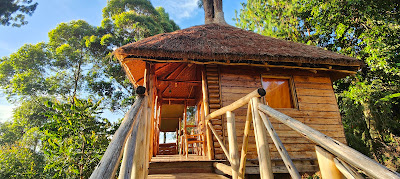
(76, 80)
(208, 11)
(218, 12)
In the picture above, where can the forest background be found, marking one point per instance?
(62, 86)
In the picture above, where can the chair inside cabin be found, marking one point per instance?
(190, 136)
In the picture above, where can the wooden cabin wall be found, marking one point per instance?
(317, 107)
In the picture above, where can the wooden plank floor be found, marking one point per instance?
(186, 175)
(176, 158)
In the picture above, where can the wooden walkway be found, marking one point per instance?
(178, 166)
(187, 175)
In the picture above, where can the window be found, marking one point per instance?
(279, 92)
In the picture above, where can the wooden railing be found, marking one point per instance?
(335, 159)
(132, 139)
(130, 142)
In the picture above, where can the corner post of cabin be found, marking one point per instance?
(150, 106)
(204, 88)
(260, 133)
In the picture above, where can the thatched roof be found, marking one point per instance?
(216, 42)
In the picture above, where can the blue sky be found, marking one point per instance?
(49, 13)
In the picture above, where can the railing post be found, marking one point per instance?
(279, 146)
(233, 147)
(261, 142)
(326, 164)
(242, 168)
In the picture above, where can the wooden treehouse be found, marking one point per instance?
(261, 106)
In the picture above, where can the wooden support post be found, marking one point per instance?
(204, 87)
(294, 173)
(233, 147)
(261, 141)
(242, 168)
(220, 142)
(129, 150)
(109, 163)
(326, 164)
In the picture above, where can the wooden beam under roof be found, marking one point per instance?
(195, 82)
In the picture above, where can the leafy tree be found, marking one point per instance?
(125, 21)
(23, 73)
(17, 161)
(368, 30)
(75, 138)
(76, 63)
(14, 11)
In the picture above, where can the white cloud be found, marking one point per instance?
(5, 112)
(179, 9)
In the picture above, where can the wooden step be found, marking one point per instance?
(186, 175)
(180, 167)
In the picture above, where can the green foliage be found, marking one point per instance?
(23, 73)
(66, 137)
(17, 161)
(74, 138)
(368, 30)
(12, 12)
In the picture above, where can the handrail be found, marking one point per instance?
(109, 163)
(126, 143)
(237, 104)
(238, 166)
(347, 154)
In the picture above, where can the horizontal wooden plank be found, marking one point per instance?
(215, 106)
(213, 82)
(213, 86)
(313, 85)
(317, 99)
(228, 91)
(311, 79)
(241, 83)
(296, 113)
(213, 91)
(318, 107)
(314, 92)
(213, 95)
(212, 78)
